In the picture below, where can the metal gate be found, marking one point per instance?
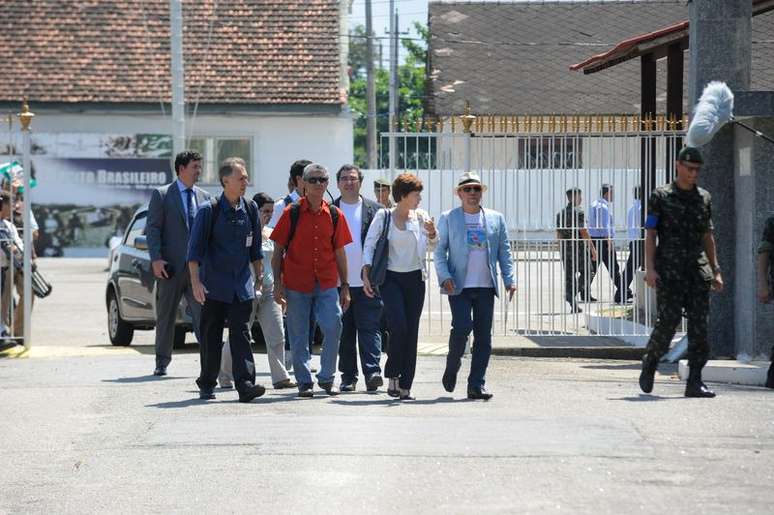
(528, 163)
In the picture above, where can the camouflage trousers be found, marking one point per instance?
(574, 269)
(671, 300)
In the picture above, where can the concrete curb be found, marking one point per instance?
(620, 353)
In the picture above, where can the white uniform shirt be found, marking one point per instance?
(354, 215)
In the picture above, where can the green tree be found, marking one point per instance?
(411, 92)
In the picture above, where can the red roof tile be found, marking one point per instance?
(260, 51)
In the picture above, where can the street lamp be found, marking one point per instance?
(25, 119)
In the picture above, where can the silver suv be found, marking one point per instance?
(131, 292)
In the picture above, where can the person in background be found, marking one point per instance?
(361, 321)
(602, 231)
(11, 256)
(171, 215)
(382, 192)
(297, 191)
(574, 240)
(411, 233)
(634, 232)
(265, 311)
(382, 189)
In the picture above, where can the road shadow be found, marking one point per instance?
(150, 378)
(644, 397)
(628, 366)
(394, 401)
(178, 404)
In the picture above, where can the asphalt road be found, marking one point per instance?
(85, 429)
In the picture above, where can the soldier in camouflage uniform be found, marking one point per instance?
(683, 268)
(570, 228)
(766, 279)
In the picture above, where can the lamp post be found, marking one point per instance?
(25, 119)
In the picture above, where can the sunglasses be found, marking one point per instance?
(471, 189)
(317, 180)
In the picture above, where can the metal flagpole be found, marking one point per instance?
(25, 118)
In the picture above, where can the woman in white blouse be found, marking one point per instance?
(411, 233)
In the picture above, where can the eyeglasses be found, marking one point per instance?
(472, 189)
(317, 180)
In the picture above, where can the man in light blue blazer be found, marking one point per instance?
(170, 218)
(472, 241)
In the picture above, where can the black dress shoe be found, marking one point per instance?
(770, 377)
(160, 371)
(348, 387)
(698, 389)
(250, 391)
(329, 388)
(694, 387)
(373, 382)
(206, 395)
(479, 394)
(648, 374)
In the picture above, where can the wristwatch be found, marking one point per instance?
(716, 270)
(345, 284)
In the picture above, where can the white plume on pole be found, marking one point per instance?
(714, 110)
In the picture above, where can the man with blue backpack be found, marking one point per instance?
(225, 243)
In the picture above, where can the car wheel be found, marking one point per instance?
(120, 332)
(179, 341)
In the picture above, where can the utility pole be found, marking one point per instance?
(178, 91)
(370, 92)
(393, 84)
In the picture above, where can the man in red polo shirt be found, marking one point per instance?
(309, 256)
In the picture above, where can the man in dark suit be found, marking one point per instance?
(362, 320)
(170, 218)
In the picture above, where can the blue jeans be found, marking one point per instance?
(478, 302)
(324, 304)
(360, 323)
(403, 294)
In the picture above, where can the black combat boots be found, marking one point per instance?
(695, 387)
(770, 377)
(649, 366)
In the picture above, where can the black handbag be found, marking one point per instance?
(381, 253)
(40, 287)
